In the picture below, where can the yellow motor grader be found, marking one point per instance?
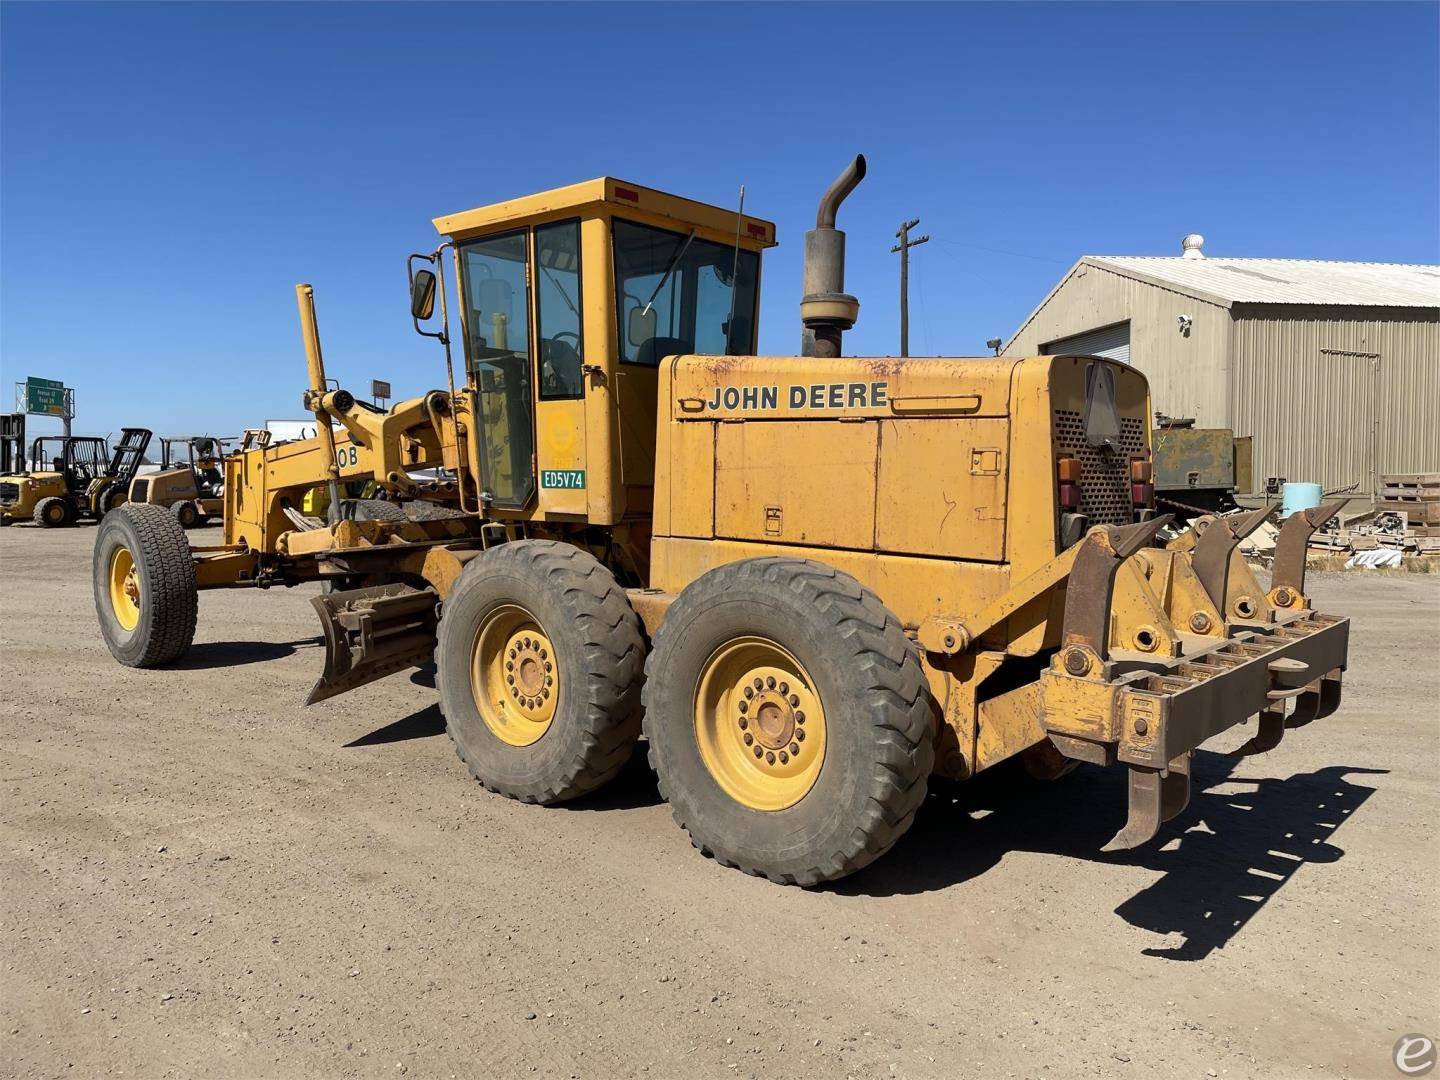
(811, 581)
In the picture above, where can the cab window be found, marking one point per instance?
(676, 293)
(557, 301)
(497, 330)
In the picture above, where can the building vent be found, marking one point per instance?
(1191, 245)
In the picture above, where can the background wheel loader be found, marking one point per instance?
(810, 581)
(71, 478)
(189, 483)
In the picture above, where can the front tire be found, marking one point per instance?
(539, 661)
(789, 720)
(144, 583)
(186, 513)
(54, 513)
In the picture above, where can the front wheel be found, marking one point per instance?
(54, 513)
(186, 513)
(144, 582)
(539, 663)
(789, 721)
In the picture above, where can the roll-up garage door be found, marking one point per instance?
(1111, 342)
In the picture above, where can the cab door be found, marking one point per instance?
(496, 280)
(559, 359)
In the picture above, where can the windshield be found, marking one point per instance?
(705, 303)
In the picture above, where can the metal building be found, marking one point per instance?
(1332, 367)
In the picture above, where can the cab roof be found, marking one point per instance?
(606, 191)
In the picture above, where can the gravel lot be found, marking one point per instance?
(201, 878)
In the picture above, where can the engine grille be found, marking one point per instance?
(9, 493)
(1104, 478)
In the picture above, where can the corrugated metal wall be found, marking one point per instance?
(1337, 395)
(1186, 372)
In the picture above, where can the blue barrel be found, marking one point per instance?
(1295, 497)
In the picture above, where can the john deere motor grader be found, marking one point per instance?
(818, 579)
(72, 477)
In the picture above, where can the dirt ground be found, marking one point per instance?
(201, 878)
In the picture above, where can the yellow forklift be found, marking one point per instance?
(190, 482)
(72, 478)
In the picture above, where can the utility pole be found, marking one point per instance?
(904, 249)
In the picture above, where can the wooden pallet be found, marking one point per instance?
(1410, 487)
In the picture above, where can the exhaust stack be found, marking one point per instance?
(825, 308)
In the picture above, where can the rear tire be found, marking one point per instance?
(828, 792)
(54, 513)
(186, 513)
(112, 500)
(377, 510)
(562, 623)
(144, 583)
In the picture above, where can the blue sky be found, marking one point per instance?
(168, 172)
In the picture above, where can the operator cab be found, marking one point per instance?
(569, 300)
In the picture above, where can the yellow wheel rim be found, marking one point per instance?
(514, 675)
(759, 724)
(125, 588)
(55, 514)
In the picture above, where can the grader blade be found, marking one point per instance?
(371, 633)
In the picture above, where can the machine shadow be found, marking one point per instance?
(1221, 860)
(426, 723)
(633, 787)
(220, 654)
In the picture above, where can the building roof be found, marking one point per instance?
(1283, 281)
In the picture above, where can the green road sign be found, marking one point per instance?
(44, 396)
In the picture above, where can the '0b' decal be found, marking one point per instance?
(346, 455)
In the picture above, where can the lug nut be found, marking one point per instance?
(770, 682)
(784, 688)
(784, 758)
(549, 681)
(547, 665)
(544, 693)
(509, 665)
(758, 751)
(743, 706)
(512, 654)
(744, 723)
(759, 683)
(749, 692)
(794, 749)
(799, 718)
(800, 736)
(794, 701)
(770, 758)
(543, 654)
(510, 679)
(749, 739)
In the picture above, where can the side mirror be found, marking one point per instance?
(641, 326)
(422, 295)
